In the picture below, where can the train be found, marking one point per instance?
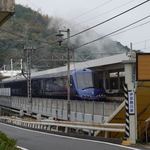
(114, 84)
(84, 85)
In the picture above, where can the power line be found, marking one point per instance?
(138, 42)
(135, 43)
(106, 12)
(101, 5)
(132, 28)
(144, 48)
(112, 32)
(85, 29)
(108, 19)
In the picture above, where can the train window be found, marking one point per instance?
(1, 85)
(84, 80)
(55, 83)
(98, 82)
(60, 82)
(48, 84)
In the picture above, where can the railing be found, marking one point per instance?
(7, 5)
(48, 125)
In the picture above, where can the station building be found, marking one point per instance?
(136, 74)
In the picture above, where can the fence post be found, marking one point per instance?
(103, 113)
(127, 127)
(46, 105)
(62, 109)
(51, 107)
(93, 111)
(38, 105)
(76, 111)
(83, 110)
(56, 109)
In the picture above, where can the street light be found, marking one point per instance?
(60, 40)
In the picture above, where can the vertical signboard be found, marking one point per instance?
(131, 99)
(143, 66)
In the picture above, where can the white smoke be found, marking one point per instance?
(101, 48)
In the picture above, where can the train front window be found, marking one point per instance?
(84, 80)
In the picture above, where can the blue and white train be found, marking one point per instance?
(85, 85)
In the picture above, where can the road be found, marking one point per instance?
(34, 140)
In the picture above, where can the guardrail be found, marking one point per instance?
(50, 125)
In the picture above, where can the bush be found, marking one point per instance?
(7, 143)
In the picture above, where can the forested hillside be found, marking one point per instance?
(30, 28)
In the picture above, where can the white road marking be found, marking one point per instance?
(73, 138)
(22, 148)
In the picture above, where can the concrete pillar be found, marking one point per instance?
(131, 87)
(89, 132)
(57, 128)
(104, 80)
(66, 129)
(49, 128)
(38, 117)
(106, 134)
(21, 113)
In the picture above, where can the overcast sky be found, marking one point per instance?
(90, 12)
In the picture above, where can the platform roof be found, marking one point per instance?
(99, 63)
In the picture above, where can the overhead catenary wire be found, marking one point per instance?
(54, 42)
(107, 20)
(145, 48)
(140, 25)
(110, 34)
(93, 9)
(136, 42)
(19, 35)
(106, 12)
(139, 42)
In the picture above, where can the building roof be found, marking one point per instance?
(106, 61)
(115, 59)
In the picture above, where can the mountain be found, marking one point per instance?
(30, 28)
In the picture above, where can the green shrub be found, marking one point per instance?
(7, 143)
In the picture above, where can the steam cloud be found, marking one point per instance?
(101, 48)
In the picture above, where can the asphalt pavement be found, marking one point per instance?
(35, 140)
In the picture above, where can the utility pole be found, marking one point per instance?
(60, 40)
(68, 74)
(28, 51)
(21, 64)
(11, 67)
